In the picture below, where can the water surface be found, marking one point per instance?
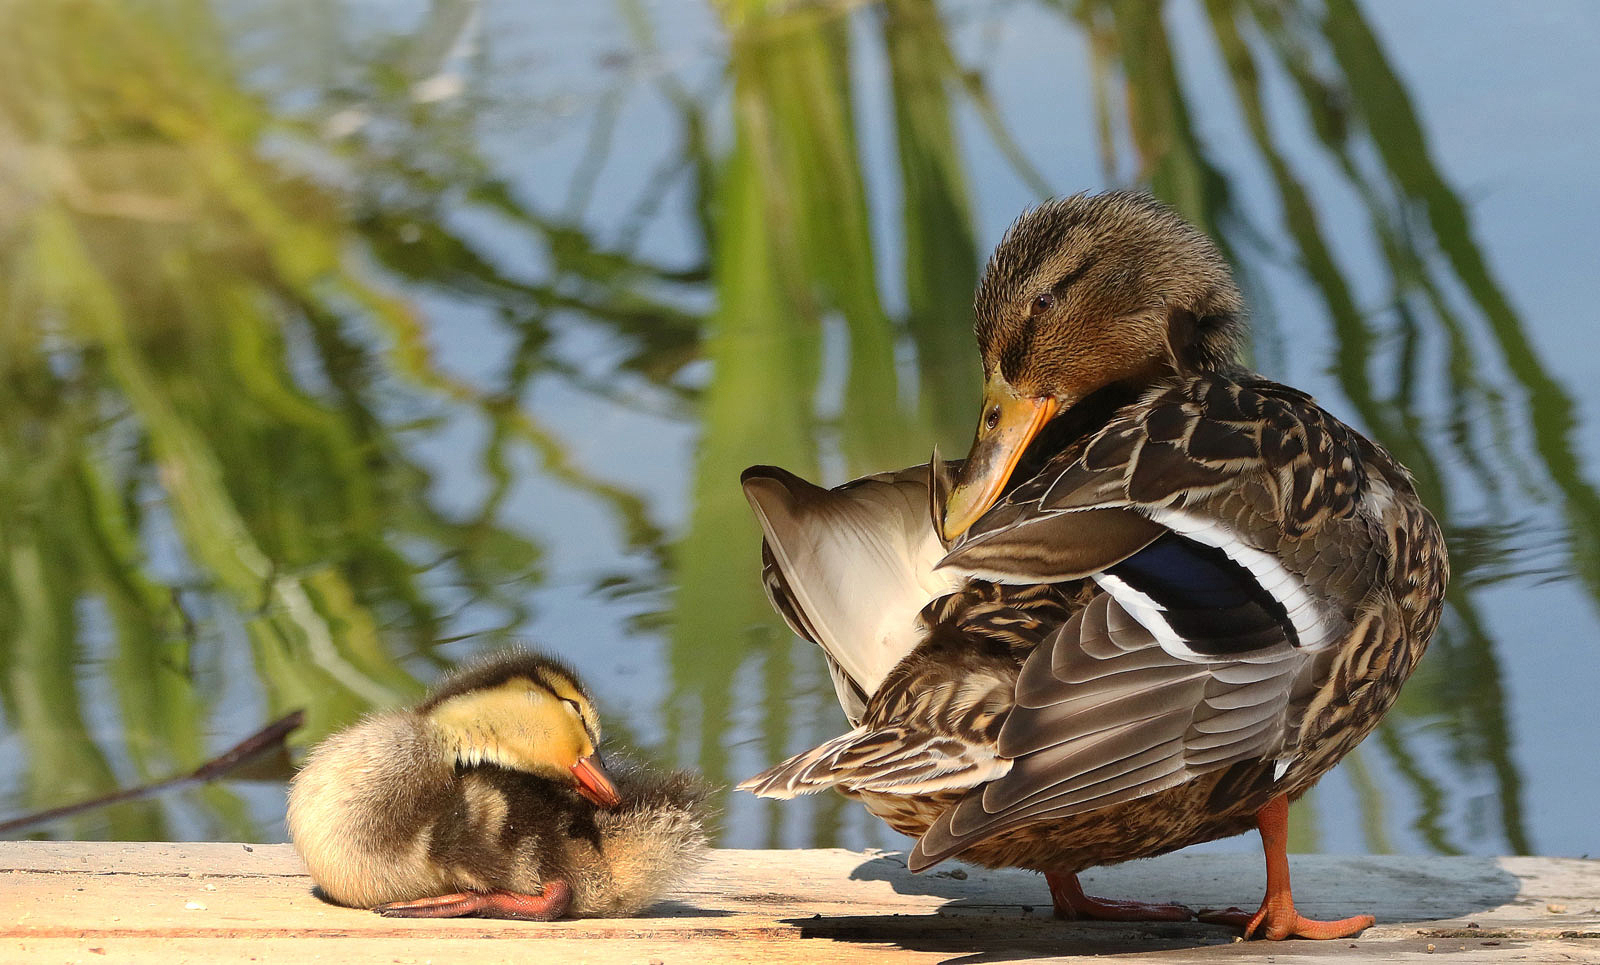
(342, 341)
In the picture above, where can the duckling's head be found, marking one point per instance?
(1084, 293)
(524, 712)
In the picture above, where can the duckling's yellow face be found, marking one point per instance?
(1084, 293)
(545, 727)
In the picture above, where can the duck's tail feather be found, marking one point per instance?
(887, 760)
(855, 564)
(805, 773)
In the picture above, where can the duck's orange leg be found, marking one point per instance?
(1276, 916)
(1071, 903)
(548, 905)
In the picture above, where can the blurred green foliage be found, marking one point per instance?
(216, 366)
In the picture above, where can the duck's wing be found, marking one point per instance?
(1105, 715)
(1205, 645)
(1257, 516)
(850, 568)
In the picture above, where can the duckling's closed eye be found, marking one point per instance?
(576, 710)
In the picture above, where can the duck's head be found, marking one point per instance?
(528, 713)
(1084, 293)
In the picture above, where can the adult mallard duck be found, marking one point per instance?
(488, 798)
(1160, 599)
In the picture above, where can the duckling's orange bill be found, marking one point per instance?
(593, 782)
(1009, 423)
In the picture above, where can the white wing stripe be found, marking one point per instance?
(1305, 614)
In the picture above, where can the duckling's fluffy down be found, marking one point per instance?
(381, 813)
(646, 844)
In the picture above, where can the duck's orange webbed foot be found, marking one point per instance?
(1280, 921)
(548, 905)
(1277, 917)
(1072, 904)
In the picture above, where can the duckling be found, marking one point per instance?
(1160, 598)
(490, 798)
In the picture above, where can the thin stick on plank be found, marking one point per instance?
(264, 741)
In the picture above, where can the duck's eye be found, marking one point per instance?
(1042, 304)
(572, 705)
(992, 419)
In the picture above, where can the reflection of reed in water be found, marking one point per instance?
(1373, 99)
(190, 424)
(272, 453)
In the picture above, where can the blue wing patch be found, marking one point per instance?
(1213, 603)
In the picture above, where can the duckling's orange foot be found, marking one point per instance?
(548, 905)
(1072, 904)
(1279, 920)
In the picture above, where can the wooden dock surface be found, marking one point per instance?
(116, 902)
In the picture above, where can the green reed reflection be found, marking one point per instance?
(218, 371)
(172, 483)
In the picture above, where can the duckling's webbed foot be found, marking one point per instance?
(1072, 904)
(551, 903)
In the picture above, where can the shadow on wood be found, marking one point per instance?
(975, 938)
(1392, 887)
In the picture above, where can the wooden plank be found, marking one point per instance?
(234, 902)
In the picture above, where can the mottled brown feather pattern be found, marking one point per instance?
(981, 633)
(1162, 429)
(948, 697)
(1361, 520)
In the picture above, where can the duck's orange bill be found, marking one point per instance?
(1015, 421)
(593, 782)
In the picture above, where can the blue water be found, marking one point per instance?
(528, 133)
